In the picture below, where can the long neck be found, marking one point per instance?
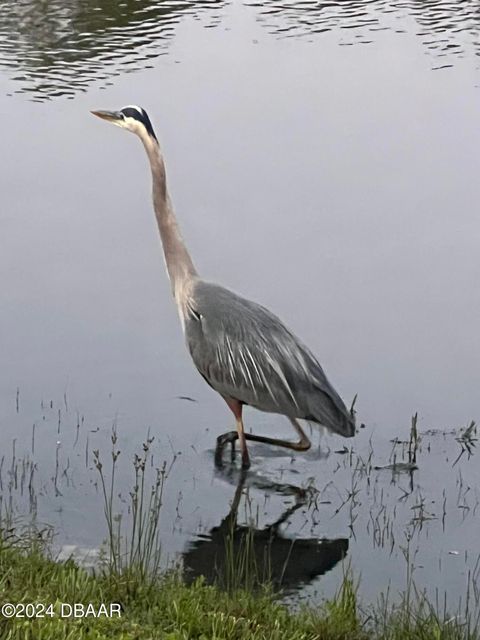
(179, 264)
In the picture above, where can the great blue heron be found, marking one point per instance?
(241, 349)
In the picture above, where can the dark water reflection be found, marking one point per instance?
(60, 48)
(231, 554)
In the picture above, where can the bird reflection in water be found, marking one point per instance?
(234, 555)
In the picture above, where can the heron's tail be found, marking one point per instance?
(347, 426)
(329, 410)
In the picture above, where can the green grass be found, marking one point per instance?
(167, 608)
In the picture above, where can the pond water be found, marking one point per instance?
(323, 160)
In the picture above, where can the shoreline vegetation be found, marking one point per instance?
(130, 596)
(167, 608)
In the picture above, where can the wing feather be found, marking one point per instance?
(245, 352)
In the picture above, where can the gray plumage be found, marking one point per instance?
(245, 352)
(241, 349)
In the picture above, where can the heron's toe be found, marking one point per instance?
(230, 436)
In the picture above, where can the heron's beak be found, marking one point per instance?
(110, 116)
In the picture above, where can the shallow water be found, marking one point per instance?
(323, 160)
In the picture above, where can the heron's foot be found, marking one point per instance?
(230, 437)
(225, 438)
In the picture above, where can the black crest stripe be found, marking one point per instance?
(141, 116)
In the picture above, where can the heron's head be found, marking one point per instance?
(133, 118)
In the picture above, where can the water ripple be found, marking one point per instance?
(445, 28)
(60, 48)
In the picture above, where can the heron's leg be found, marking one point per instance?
(236, 408)
(303, 443)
